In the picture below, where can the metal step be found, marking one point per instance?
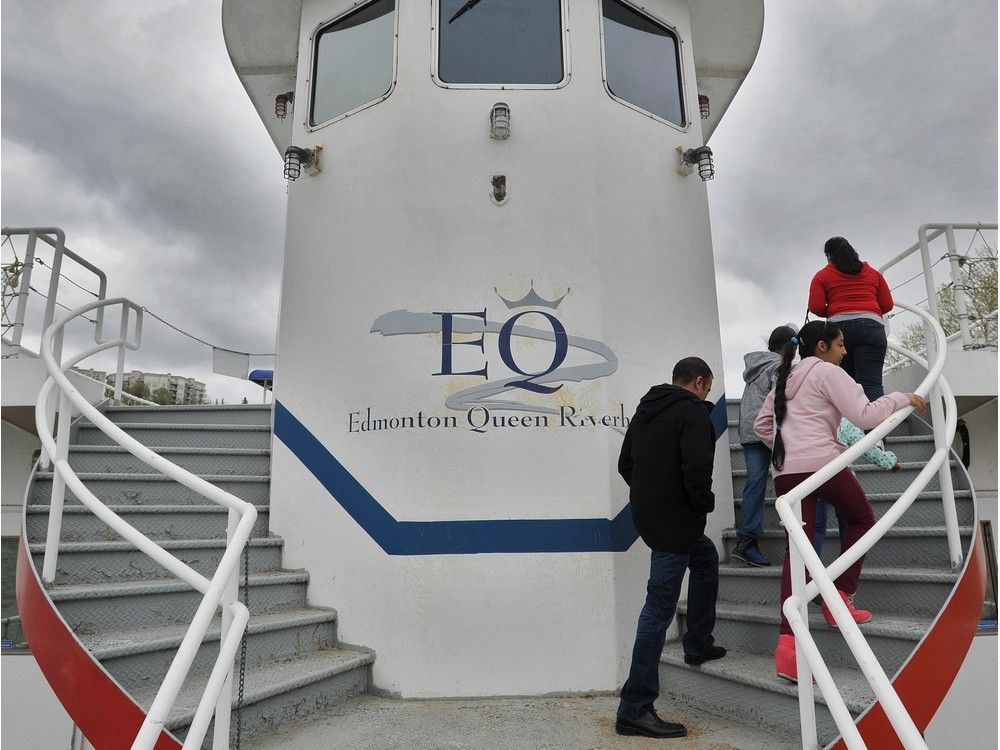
(109, 459)
(153, 489)
(279, 694)
(909, 427)
(138, 659)
(926, 510)
(753, 629)
(874, 479)
(97, 562)
(181, 435)
(908, 547)
(155, 521)
(889, 591)
(908, 448)
(200, 414)
(95, 608)
(745, 688)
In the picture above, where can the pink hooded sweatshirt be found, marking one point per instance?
(818, 394)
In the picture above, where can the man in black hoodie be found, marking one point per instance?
(666, 460)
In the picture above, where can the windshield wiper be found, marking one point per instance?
(469, 5)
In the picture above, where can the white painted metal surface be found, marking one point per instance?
(218, 591)
(804, 558)
(431, 495)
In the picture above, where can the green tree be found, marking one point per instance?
(980, 271)
(162, 396)
(138, 388)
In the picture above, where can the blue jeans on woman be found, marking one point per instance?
(758, 461)
(666, 573)
(820, 532)
(866, 346)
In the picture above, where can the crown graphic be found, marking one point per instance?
(531, 299)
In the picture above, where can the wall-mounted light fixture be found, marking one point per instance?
(704, 109)
(281, 102)
(700, 157)
(298, 158)
(500, 122)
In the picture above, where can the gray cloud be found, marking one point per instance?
(124, 124)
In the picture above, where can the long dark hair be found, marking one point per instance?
(843, 255)
(808, 339)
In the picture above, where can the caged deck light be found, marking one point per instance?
(704, 108)
(298, 158)
(701, 157)
(500, 122)
(281, 102)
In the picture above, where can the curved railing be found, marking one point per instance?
(803, 558)
(220, 590)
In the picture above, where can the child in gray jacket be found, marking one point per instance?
(759, 376)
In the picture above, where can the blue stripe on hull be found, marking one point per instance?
(457, 537)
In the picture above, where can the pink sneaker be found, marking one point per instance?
(859, 615)
(784, 658)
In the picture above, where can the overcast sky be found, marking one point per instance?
(124, 124)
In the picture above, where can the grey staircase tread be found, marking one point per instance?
(264, 681)
(77, 591)
(870, 572)
(180, 426)
(928, 495)
(893, 531)
(118, 643)
(757, 670)
(120, 509)
(119, 546)
(895, 626)
(187, 407)
(864, 468)
(890, 440)
(96, 476)
(168, 450)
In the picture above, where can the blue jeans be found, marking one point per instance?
(820, 533)
(666, 573)
(758, 460)
(866, 344)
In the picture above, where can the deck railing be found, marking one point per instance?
(803, 558)
(221, 590)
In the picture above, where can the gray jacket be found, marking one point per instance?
(760, 376)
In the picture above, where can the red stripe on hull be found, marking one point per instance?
(925, 679)
(106, 714)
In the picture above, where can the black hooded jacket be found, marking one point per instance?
(666, 460)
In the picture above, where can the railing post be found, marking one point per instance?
(122, 339)
(22, 295)
(50, 303)
(224, 706)
(807, 701)
(58, 491)
(958, 280)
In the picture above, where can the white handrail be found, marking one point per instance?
(803, 557)
(218, 591)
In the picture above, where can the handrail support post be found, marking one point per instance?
(958, 277)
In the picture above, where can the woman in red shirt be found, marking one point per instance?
(852, 294)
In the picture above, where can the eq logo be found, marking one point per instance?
(473, 327)
(506, 334)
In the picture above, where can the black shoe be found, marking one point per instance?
(714, 652)
(649, 725)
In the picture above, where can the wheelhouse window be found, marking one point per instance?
(515, 42)
(642, 62)
(353, 61)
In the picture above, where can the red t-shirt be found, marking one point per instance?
(833, 292)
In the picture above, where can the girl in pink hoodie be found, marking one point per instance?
(799, 421)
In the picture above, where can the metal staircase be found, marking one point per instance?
(907, 581)
(131, 614)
